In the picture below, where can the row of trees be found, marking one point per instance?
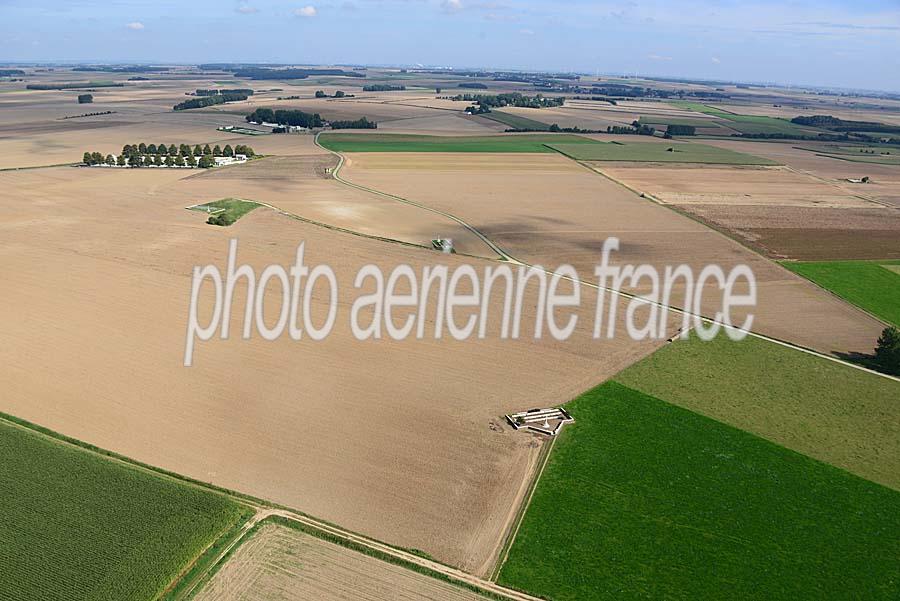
(337, 94)
(203, 101)
(213, 92)
(141, 155)
(379, 87)
(511, 99)
(362, 123)
(286, 117)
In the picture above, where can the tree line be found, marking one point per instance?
(145, 155)
(510, 99)
(380, 87)
(203, 101)
(292, 117)
(362, 123)
(213, 92)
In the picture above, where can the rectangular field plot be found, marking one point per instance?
(279, 562)
(872, 285)
(643, 499)
(414, 143)
(831, 412)
(656, 152)
(75, 525)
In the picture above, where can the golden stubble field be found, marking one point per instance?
(402, 441)
(279, 563)
(549, 210)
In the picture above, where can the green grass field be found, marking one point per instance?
(515, 121)
(657, 152)
(871, 285)
(414, 143)
(77, 525)
(643, 499)
(748, 124)
(831, 412)
(229, 209)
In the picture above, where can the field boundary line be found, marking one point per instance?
(513, 531)
(266, 509)
(510, 259)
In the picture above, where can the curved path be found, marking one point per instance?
(505, 256)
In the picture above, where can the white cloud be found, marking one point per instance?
(306, 11)
(716, 60)
(135, 26)
(245, 9)
(656, 57)
(452, 5)
(526, 31)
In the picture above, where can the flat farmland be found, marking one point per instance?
(769, 186)
(673, 152)
(280, 563)
(808, 233)
(830, 412)
(549, 210)
(424, 446)
(390, 143)
(884, 184)
(299, 185)
(643, 499)
(784, 212)
(75, 524)
(872, 285)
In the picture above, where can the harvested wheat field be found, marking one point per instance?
(784, 212)
(280, 563)
(765, 186)
(807, 233)
(884, 180)
(550, 210)
(98, 264)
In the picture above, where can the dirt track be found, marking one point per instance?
(548, 210)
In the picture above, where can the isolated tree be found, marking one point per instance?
(228, 151)
(120, 161)
(88, 159)
(110, 160)
(179, 161)
(321, 94)
(151, 149)
(170, 161)
(339, 94)
(172, 150)
(206, 150)
(217, 151)
(437, 90)
(887, 353)
(142, 148)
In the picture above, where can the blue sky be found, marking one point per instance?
(829, 42)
